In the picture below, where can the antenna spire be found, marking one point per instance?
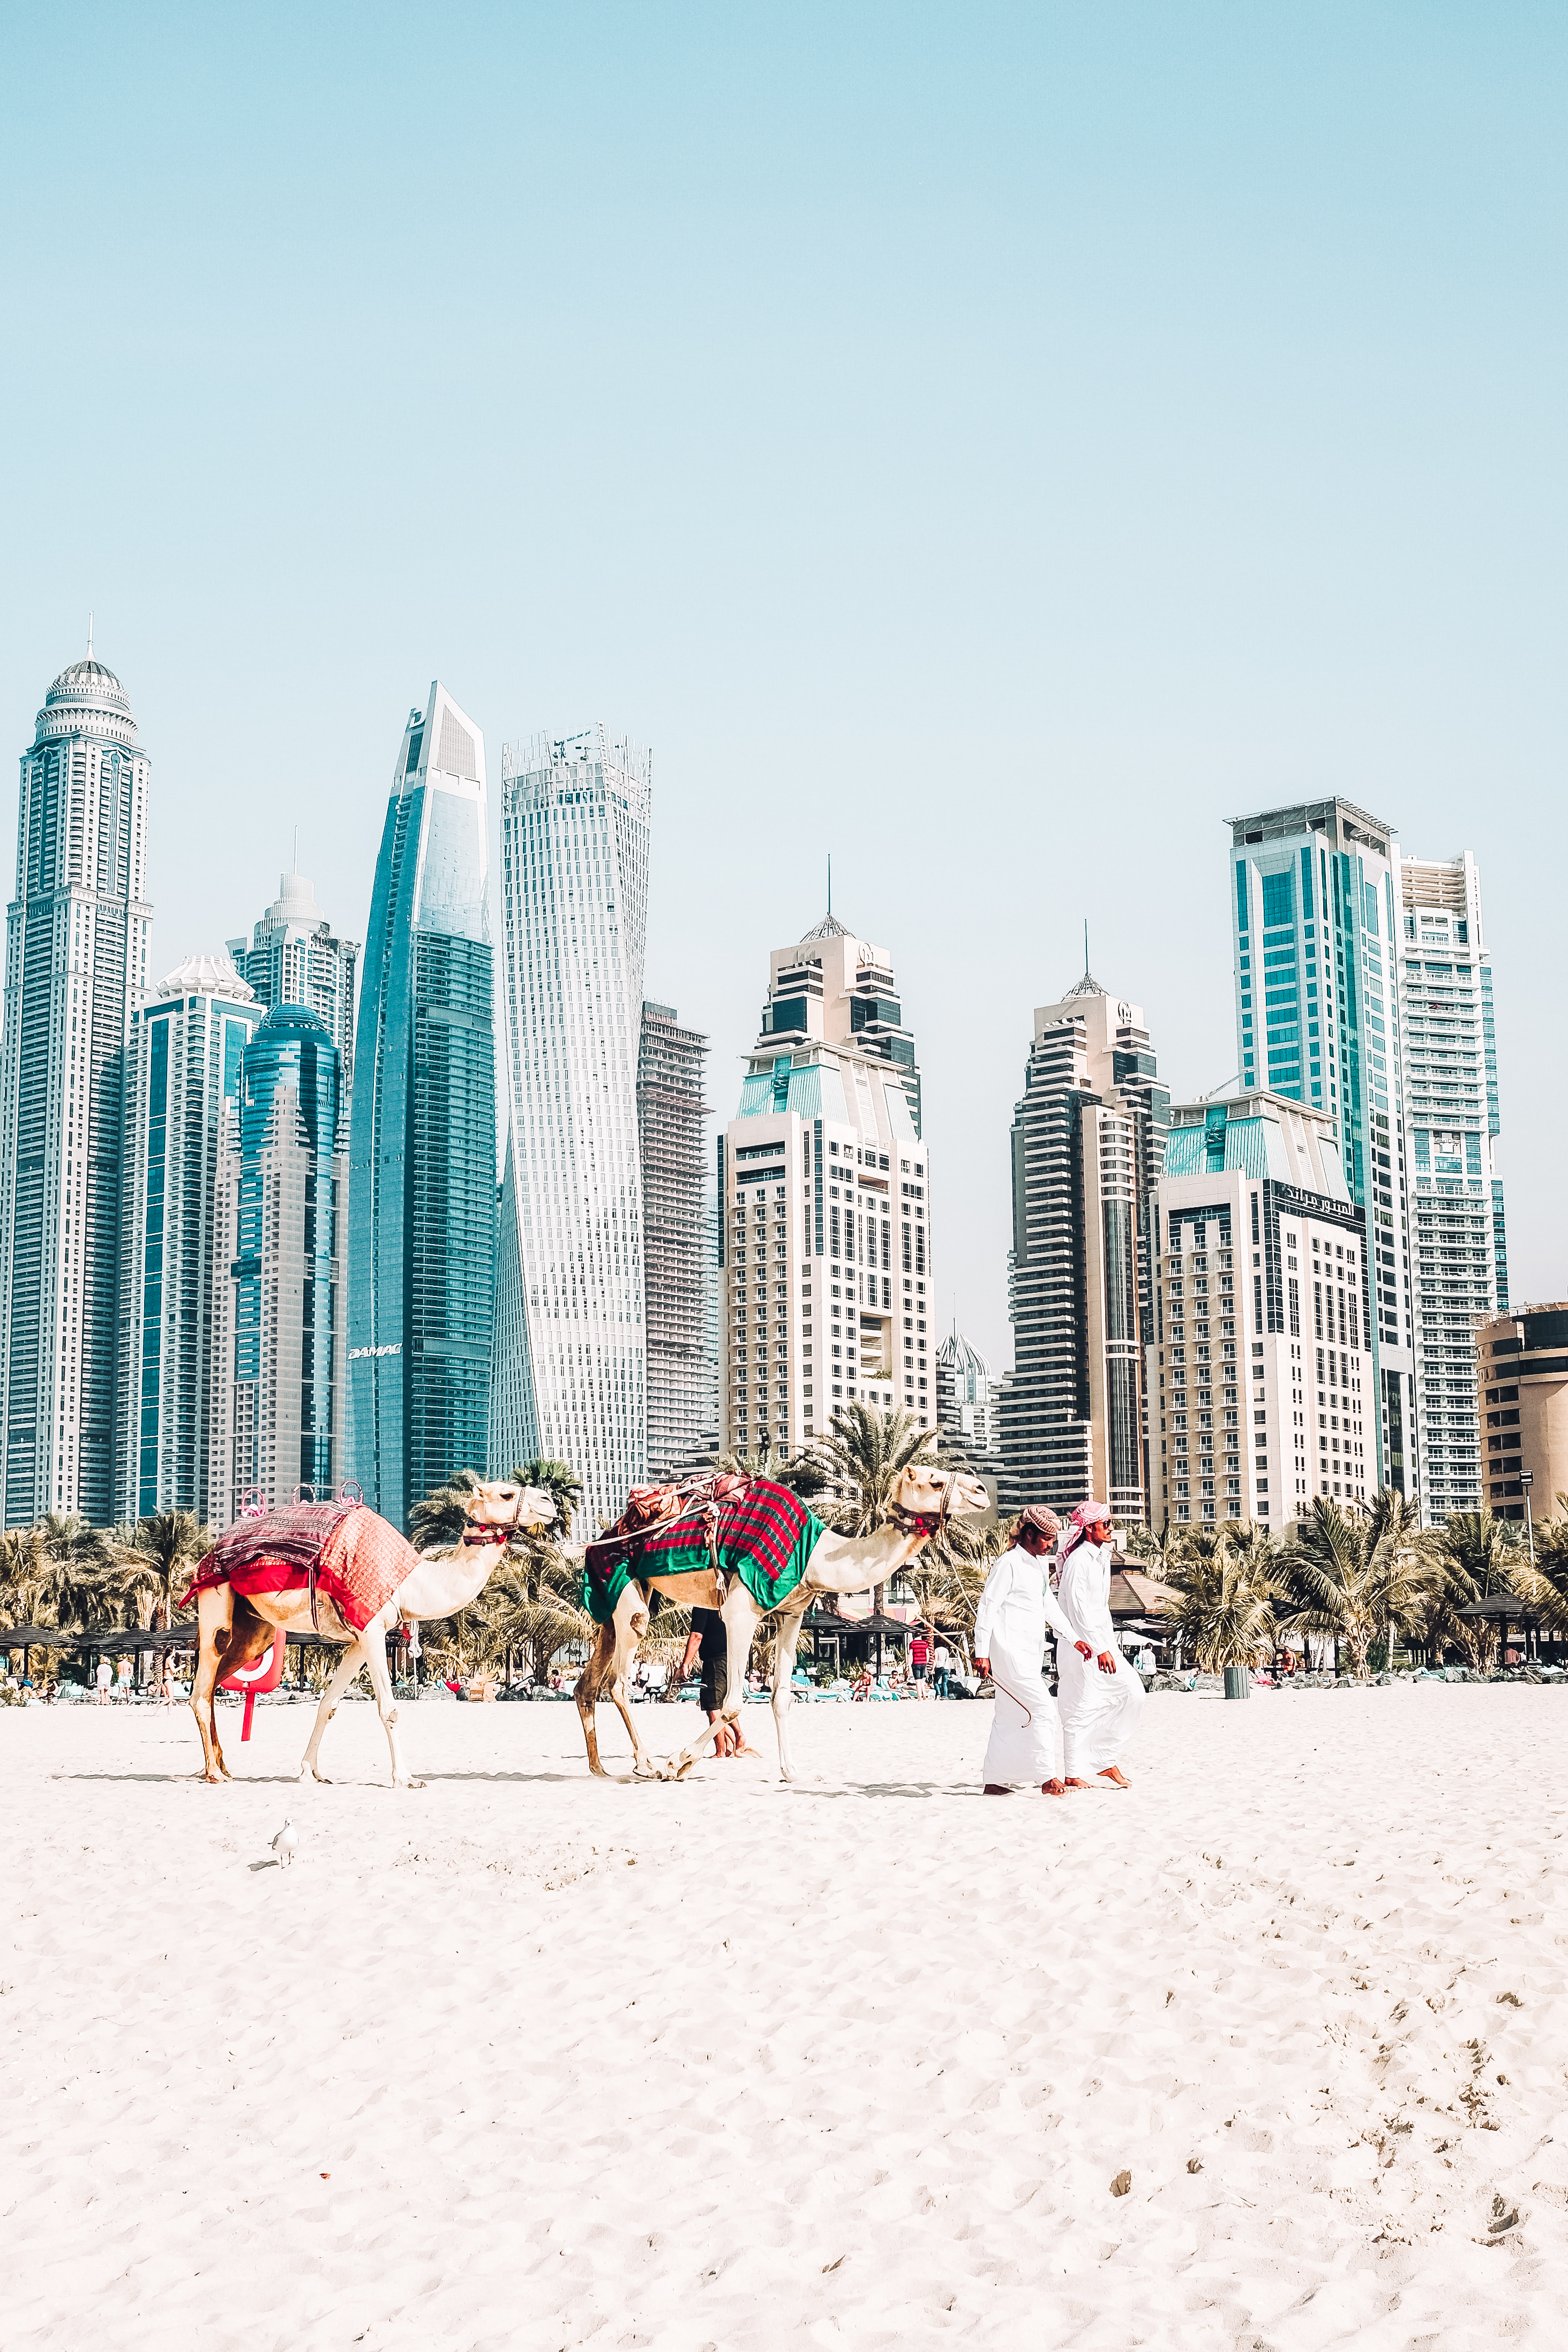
(1085, 947)
(829, 881)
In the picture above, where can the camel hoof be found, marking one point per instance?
(408, 1784)
(682, 1768)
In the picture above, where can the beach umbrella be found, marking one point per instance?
(35, 1637)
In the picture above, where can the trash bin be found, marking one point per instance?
(1238, 1682)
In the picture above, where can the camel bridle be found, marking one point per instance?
(933, 1523)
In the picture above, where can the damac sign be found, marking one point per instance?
(395, 1350)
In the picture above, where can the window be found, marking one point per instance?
(1279, 899)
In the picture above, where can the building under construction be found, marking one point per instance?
(678, 1251)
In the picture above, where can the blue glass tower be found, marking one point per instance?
(422, 1177)
(279, 1332)
(1315, 912)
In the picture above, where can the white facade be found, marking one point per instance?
(1451, 1125)
(575, 819)
(75, 965)
(825, 1206)
(1261, 1369)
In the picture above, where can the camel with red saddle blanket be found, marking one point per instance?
(340, 1569)
(750, 1548)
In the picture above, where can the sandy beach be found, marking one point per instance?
(526, 2059)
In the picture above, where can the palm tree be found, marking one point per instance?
(157, 1556)
(1346, 1582)
(1226, 1613)
(1476, 1556)
(439, 1519)
(561, 1482)
(62, 1581)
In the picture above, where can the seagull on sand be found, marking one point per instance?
(284, 1844)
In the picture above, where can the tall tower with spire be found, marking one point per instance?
(1087, 1145)
(75, 966)
(825, 1205)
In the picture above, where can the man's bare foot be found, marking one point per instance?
(1070, 1783)
(993, 1788)
(1053, 1788)
(1117, 1777)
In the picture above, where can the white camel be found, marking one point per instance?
(235, 1629)
(920, 1498)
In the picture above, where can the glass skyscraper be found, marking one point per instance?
(294, 957)
(575, 817)
(422, 1179)
(1315, 914)
(76, 962)
(279, 1333)
(182, 1127)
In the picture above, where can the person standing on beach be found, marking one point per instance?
(709, 1642)
(1015, 1608)
(1100, 1695)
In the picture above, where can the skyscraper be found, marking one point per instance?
(279, 1329)
(1315, 906)
(1451, 1119)
(967, 1399)
(295, 957)
(183, 1076)
(76, 961)
(1087, 1143)
(678, 1271)
(422, 1179)
(825, 1204)
(1260, 1363)
(574, 884)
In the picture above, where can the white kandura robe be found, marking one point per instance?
(1099, 1712)
(1015, 1608)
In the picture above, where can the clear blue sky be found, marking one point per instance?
(993, 444)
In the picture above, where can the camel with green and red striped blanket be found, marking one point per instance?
(751, 1550)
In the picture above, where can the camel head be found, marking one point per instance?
(923, 1492)
(501, 1507)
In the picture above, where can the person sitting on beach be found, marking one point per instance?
(1016, 1607)
(1100, 1695)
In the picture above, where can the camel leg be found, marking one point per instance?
(741, 1619)
(214, 1622)
(343, 1672)
(631, 1625)
(789, 1639)
(372, 1643)
(604, 1676)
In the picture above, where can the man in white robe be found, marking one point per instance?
(1015, 1608)
(1100, 1695)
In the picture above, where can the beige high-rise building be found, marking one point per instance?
(1260, 1369)
(825, 1205)
(1522, 1371)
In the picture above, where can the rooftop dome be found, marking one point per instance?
(205, 975)
(90, 683)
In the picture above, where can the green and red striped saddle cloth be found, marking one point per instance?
(764, 1535)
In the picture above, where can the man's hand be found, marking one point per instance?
(983, 1666)
(1106, 1661)
(1084, 1649)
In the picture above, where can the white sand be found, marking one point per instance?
(733, 2065)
